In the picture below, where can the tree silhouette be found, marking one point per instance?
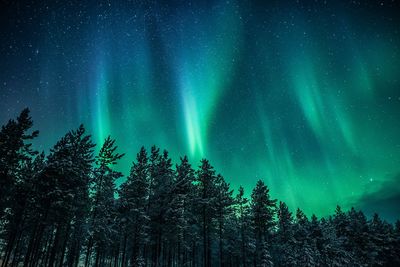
(65, 209)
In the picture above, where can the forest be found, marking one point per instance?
(64, 208)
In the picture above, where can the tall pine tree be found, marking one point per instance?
(263, 212)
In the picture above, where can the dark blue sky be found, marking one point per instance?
(304, 95)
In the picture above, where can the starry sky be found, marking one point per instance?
(302, 94)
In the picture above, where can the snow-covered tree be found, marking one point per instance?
(133, 197)
(15, 151)
(263, 212)
(206, 198)
(224, 207)
(103, 209)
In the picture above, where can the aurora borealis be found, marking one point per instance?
(305, 96)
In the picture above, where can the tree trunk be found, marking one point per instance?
(36, 238)
(30, 246)
(54, 249)
(17, 248)
(193, 253)
(64, 246)
(124, 251)
(9, 248)
(220, 242)
(47, 249)
(243, 246)
(116, 256)
(97, 262)
(205, 262)
(88, 251)
(209, 264)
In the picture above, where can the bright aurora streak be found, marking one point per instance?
(305, 96)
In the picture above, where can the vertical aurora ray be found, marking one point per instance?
(319, 99)
(204, 68)
(278, 165)
(194, 134)
(320, 107)
(326, 100)
(100, 113)
(136, 87)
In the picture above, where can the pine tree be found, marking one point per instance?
(285, 223)
(21, 210)
(134, 196)
(382, 241)
(224, 208)
(263, 212)
(304, 250)
(205, 180)
(68, 168)
(332, 250)
(266, 260)
(340, 221)
(244, 221)
(103, 208)
(58, 190)
(396, 244)
(162, 177)
(15, 150)
(180, 210)
(284, 236)
(154, 243)
(54, 206)
(357, 237)
(316, 239)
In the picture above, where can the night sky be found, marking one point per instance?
(305, 96)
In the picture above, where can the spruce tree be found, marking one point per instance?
(224, 208)
(263, 213)
(162, 177)
(54, 206)
(205, 182)
(266, 260)
(134, 196)
(245, 227)
(21, 213)
(103, 210)
(69, 166)
(284, 236)
(304, 249)
(180, 211)
(15, 150)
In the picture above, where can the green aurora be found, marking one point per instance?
(303, 96)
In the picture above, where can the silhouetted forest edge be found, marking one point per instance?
(61, 209)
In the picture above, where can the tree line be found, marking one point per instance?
(64, 209)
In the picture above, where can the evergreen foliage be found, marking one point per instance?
(65, 209)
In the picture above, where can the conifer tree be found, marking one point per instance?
(162, 180)
(103, 210)
(266, 259)
(285, 223)
(244, 223)
(224, 208)
(134, 196)
(62, 210)
(206, 206)
(21, 209)
(284, 236)
(304, 251)
(180, 210)
(263, 212)
(68, 167)
(15, 150)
